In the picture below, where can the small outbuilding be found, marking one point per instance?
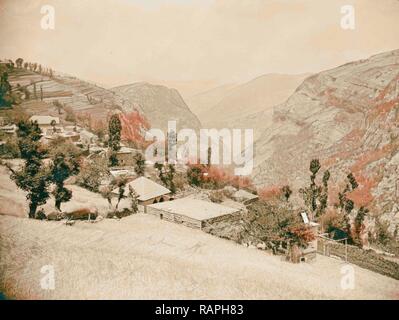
(193, 213)
(149, 192)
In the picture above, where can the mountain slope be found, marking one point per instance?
(203, 102)
(231, 105)
(160, 104)
(348, 117)
(157, 103)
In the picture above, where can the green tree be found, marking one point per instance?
(19, 62)
(161, 172)
(195, 175)
(139, 164)
(66, 162)
(60, 171)
(34, 177)
(135, 200)
(316, 196)
(7, 99)
(345, 204)
(286, 190)
(170, 174)
(358, 224)
(121, 184)
(114, 132)
(91, 174)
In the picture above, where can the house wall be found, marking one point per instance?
(187, 221)
(176, 218)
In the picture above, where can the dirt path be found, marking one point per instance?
(144, 258)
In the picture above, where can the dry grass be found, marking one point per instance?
(145, 258)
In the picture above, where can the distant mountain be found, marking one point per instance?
(159, 104)
(231, 104)
(348, 117)
(201, 103)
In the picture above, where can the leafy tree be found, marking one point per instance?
(7, 99)
(114, 132)
(34, 177)
(316, 196)
(91, 174)
(135, 200)
(286, 190)
(170, 178)
(167, 174)
(26, 64)
(345, 204)
(195, 175)
(358, 224)
(60, 171)
(66, 162)
(276, 224)
(19, 62)
(161, 174)
(139, 164)
(121, 184)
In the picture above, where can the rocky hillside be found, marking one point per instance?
(159, 104)
(348, 117)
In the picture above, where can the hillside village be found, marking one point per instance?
(73, 153)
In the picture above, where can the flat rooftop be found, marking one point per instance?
(194, 208)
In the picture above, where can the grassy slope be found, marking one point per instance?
(143, 257)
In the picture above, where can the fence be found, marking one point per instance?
(332, 248)
(367, 259)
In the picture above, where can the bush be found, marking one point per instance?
(382, 234)
(10, 149)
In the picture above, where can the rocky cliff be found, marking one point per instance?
(348, 117)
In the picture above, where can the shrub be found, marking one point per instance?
(10, 149)
(382, 234)
(276, 223)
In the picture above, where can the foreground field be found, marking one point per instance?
(141, 257)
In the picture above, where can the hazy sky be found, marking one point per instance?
(200, 41)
